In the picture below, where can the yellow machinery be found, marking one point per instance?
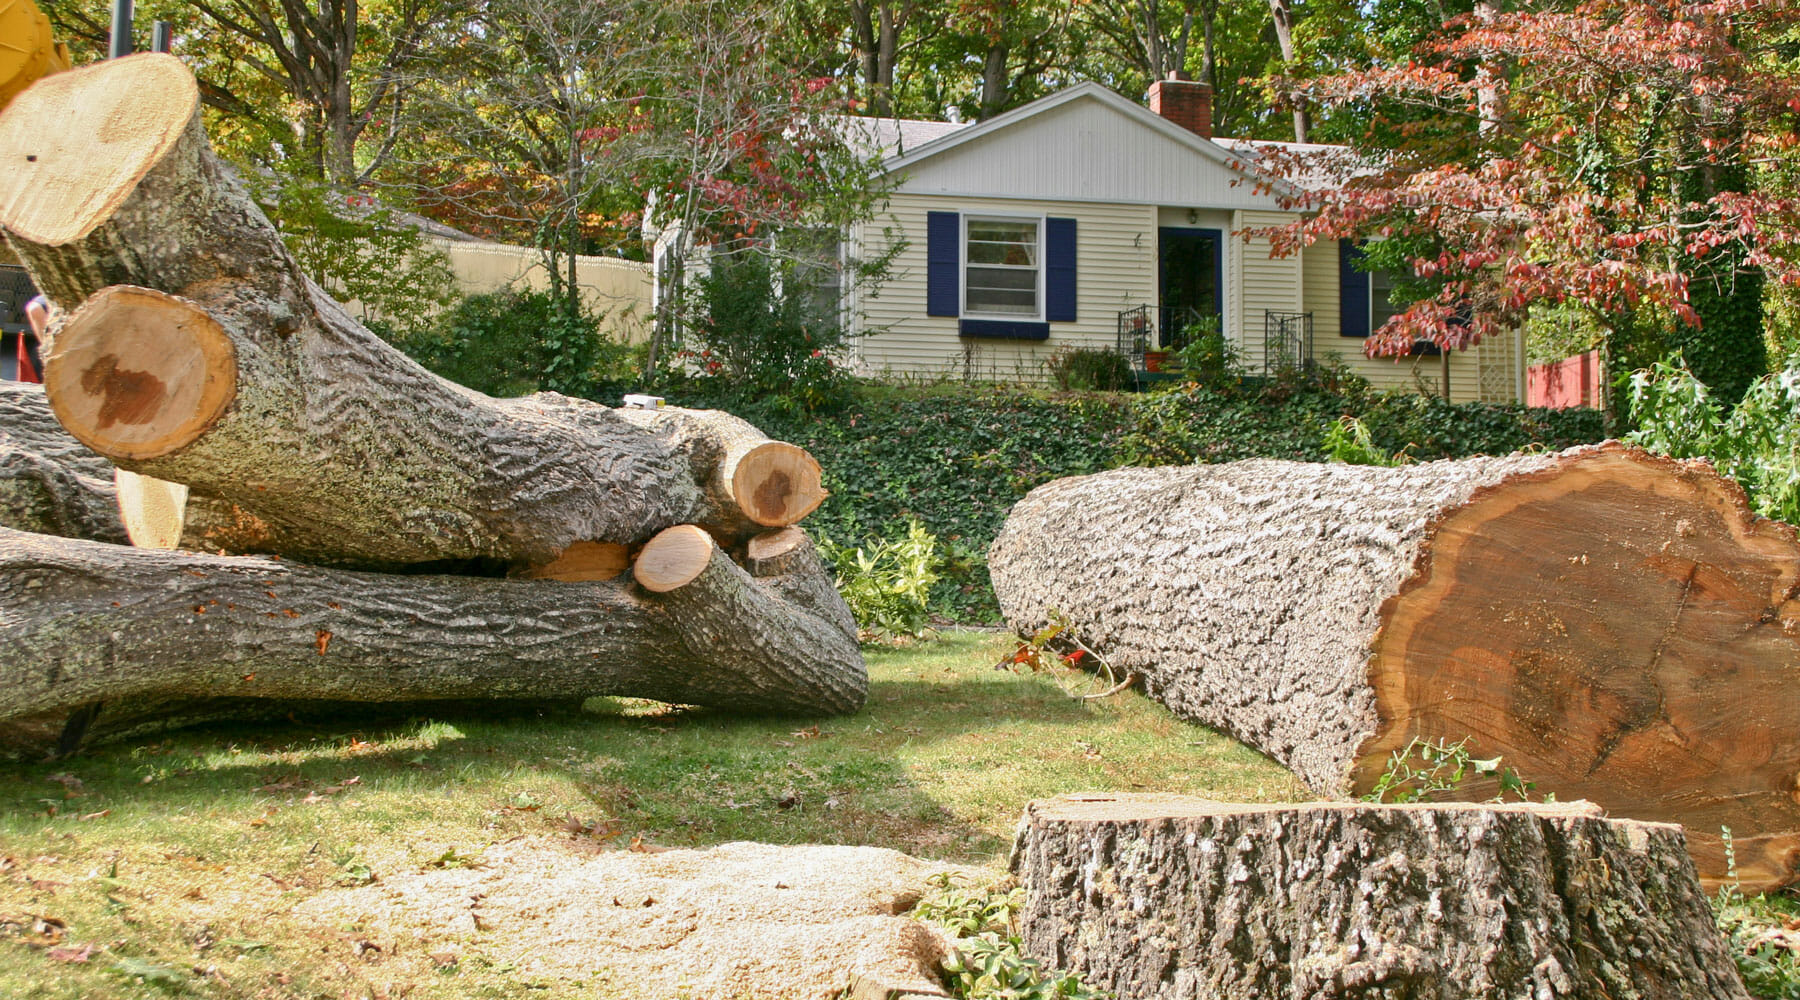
(27, 50)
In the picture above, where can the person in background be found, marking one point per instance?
(37, 313)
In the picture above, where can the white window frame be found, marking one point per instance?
(962, 271)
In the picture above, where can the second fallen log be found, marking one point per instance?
(86, 622)
(1615, 626)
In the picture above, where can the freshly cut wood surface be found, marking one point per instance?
(1615, 626)
(1156, 897)
(674, 558)
(113, 122)
(583, 562)
(83, 622)
(154, 511)
(138, 374)
(775, 483)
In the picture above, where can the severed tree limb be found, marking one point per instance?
(251, 386)
(83, 622)
(768, 483)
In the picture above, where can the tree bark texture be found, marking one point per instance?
(86, 622)
(50, 482)
(339, 444)
(1614, 625)
(1163, 897)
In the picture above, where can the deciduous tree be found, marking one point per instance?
(1610, 155)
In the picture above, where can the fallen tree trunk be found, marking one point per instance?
(1157, 897)
(49, 482)
(1616, 626)
(86, 622)
(195, 351)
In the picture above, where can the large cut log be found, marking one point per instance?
(50, 482)
(1157, 897)
(1614, 625)
(83, 622)
(216, 364)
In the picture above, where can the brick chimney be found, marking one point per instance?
(1183, 102)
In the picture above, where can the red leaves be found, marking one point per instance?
(1566, 193)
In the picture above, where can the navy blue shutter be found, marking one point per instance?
(1353, 292)
(1059, 270)
(943, 261)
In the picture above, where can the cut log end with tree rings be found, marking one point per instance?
(115, 121)
(139, 374)
(767, 552)
(673, 558)
(777, 484)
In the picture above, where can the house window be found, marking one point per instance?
(1381, 304)
(1003, 267)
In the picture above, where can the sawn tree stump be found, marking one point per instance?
(1163, 897)
(1614, 625)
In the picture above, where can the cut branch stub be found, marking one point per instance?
(775, 483)
(73, 176)
(138, 374)
(674, 558)
(750, 481)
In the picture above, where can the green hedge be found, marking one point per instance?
(958, 458)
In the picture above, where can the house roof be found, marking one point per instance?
(892, 137)
(1231, 154)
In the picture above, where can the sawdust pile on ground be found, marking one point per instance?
(737, 920)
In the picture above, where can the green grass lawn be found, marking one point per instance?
(168, 867)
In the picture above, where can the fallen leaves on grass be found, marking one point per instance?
(75, 955)
(72, 786)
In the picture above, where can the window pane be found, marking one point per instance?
(987, 301)
(1024, 231)
(1381, 308)
(1002, 270)
(1010, 278)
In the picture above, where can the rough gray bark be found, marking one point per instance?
(753, 632)
(50, 482)
(86, 622)
(1157, 897)
(333, 439)
(1616, 626)
(786, 563)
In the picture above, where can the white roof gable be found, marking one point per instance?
(1084, 143)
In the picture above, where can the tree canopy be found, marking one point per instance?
(1625, 160)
